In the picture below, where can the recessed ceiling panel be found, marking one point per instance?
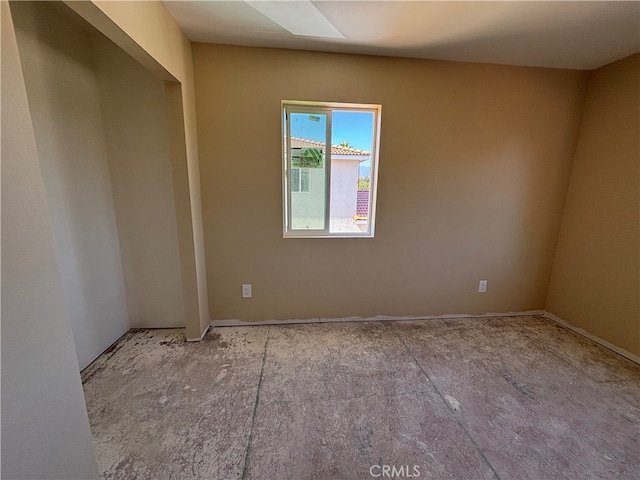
(298, 18)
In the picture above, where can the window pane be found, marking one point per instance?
(304, 180)
(295, 179)
(308, 144)
(352, 144)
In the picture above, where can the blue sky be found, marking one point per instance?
(353, 127)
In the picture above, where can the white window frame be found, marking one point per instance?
(295, 106)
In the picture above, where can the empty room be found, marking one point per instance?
(320, 240)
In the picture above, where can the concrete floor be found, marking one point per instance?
(466, 398)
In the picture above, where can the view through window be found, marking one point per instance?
(330, 169)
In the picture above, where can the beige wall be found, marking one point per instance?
(135, 122)
(101, 124)
(474, 164)
(64, 99)
(45, 429)
(595, 281)
(42, 400)
(148, 33)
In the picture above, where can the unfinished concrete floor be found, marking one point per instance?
(465, 398)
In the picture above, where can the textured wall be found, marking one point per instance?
(149, 33)
(45, 430)
(595, 281)
(135, 123)
(474, 166)
(64, 99)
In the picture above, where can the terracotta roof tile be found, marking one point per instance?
(335, 149)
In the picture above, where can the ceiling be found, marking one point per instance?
(574, 34)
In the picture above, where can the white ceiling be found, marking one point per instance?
(573, 34)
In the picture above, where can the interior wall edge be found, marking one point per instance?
(42, 397)
(584, 333)
(576, 142)
(139, 159)
(543, 313)
(594, 279)
(92, 13)
(198, 339)
(177, 145)
(63, 92)
(377, 318)
(149, 33)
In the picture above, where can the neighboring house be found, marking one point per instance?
(307, 184)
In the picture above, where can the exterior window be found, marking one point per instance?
(330, 153)
(300, 180)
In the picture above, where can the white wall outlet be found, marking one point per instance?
(246, 291)
(482, 286)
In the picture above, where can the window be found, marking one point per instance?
(300, 180)
(330, 153)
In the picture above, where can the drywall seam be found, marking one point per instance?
(240, 323)
(584, 333)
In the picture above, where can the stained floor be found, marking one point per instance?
(517, 397)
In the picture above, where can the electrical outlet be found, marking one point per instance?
(482, 286)
(246, 291)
